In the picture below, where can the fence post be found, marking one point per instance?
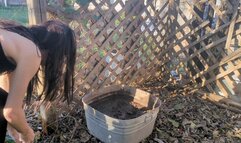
(37, 11)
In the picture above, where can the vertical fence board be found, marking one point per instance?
(36, 11)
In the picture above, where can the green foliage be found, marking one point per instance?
(143, 58)
(152, 57)
(181, 70)
(69, 2)
(148, 52)
(87, 41)
(8, 139)
(69, 10)
(96, 17)
(107, 48)
(144, 47)
(16, 13)
(102, 53)
(81, 50)
(84, 22)
(81, 65)
(122, 16)
(153, 45)
(150, 40)
(82, 2)
(119, 45)
(115, 37)
(121, 30)
(141, 41)
(117, 22)
(95, 49)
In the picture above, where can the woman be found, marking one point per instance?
(49, 47)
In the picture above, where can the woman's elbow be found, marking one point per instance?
(10, 114)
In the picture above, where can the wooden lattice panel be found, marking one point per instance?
(119, 41)
(204, 49)
(193, 42)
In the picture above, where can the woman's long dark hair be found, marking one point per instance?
(57, 41)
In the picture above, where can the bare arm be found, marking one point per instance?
(28, 63)
(23, 52)
(13, 111)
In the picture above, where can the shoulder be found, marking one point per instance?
(19, 48)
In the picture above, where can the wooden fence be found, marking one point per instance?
(191, 42)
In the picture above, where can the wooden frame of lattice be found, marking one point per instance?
(129, 42)
(204, 52)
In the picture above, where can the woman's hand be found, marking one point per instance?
(27, 137)
(14, 134)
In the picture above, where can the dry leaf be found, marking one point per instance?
(163, 134)
(215, 134)
(193, 125)
(158, 140)
(179, 106)
(174, 123)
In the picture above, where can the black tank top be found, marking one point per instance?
(5, 64)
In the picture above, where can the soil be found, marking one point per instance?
(119, 106)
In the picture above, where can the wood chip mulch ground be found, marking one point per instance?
(182, 119)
